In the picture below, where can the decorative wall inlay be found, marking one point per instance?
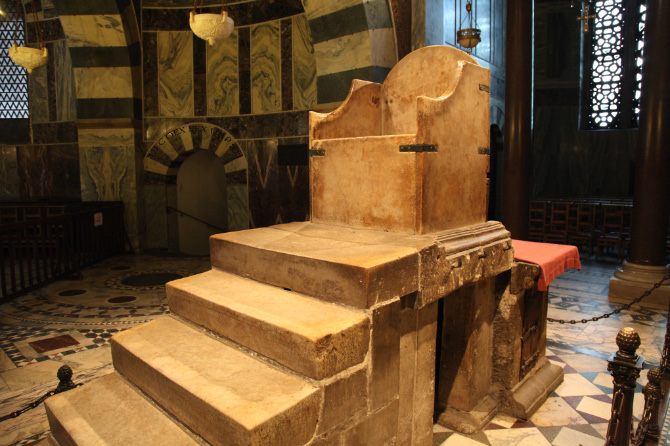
(37, 93)
(200, 77)
(244, 55)
(48, 133)
(304, 65)
(51, 83)
(48, 171)
(264, 204)
(265, 68)
(94, 30)
(363, 16)
(223, 94)
(175, 73)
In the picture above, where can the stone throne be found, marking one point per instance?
(407, 156)
(324, 333)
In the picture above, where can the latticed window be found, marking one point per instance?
(13, 78)
(613, 65)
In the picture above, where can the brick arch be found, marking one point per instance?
(352, 39)
(170, 150)
(104, 43)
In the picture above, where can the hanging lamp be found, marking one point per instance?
(25, 56)
(210, 27)
(468, 37)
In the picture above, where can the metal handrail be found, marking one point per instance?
(169, 208)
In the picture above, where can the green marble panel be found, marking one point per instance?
(265, 68)
(238, 207)
(104, 82)
(223, 81)
(304, 65)
(94, 30)
(175, 73)
(106, 137)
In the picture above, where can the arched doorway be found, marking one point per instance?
(163, 165)
(202, 208)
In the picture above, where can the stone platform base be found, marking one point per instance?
(472, 421)
(529, 395)
(631, 281)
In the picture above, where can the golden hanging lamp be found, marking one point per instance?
(25, 56)
(471, 36)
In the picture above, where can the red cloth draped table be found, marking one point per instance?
(553, 259)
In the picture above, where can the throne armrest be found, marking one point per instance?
(359, 114)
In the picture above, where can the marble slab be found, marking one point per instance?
(155, 217)
(34, 171)
(94, 30)
(363, 49)
(106, 137)
(104, 82)
(37, 95)
(318, 8)
(223, 77)
(66, 109)
(175, 73)
(9, 177)
(304, 65)
(265, 68)
(238, 207)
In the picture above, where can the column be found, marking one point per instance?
(518, 118)
(646, 261)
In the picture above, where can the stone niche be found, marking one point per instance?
(396, 304)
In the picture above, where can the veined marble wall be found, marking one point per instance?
(257, 85)
(9, 175)
(107, 165)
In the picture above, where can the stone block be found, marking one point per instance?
(378, 429)
(109, 411)
(524, 276)
(329, 439)
(385, 355)
(220, 393)
(332, 263)
(344, 399)
(424, 387)
(408, 356)
(307, 335)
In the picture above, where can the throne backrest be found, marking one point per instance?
(431, 71)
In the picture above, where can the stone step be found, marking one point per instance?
(222, 394)
(109, 411)
(358, 268)
(307, 335)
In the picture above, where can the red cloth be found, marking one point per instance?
(553, 259)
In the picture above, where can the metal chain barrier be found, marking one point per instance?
(616, 311)
(64, 375)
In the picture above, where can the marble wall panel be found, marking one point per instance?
(244, 55)
(264, 200)
(265, 68)
(106, 137)
(108, 174)
(293, 185)
(345, 53)
(104, 82)
(66, 100)
(286, 64)
(94, 30)
(318, 8)
(64, 166)
(304, 65)
(9, 176)
(238, 207)
(223, 94)
(156, 217)
(37, 95)
(150, 73)
(34, 172)
(175, 73)
(51, 83)
(200, 77)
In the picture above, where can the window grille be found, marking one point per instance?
(13, 78)
(613, 65)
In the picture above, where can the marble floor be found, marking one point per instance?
(70, 322)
